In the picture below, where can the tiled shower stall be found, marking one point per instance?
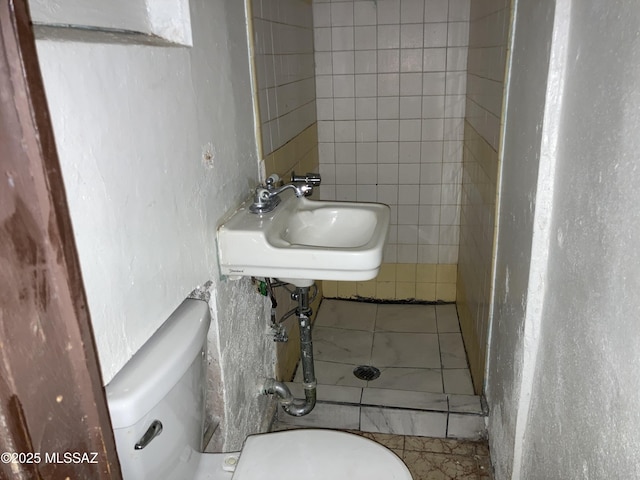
(396, 101)
(386, 82)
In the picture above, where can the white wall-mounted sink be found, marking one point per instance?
(304, 240)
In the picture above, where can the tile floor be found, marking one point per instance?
(435, 458)
(416, 347)
(424, 388)
(438, 458)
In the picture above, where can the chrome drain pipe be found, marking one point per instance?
(294, 406)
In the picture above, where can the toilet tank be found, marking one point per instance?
(163, 381)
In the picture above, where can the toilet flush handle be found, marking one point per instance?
(152, 432)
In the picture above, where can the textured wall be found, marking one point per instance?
(563, 384)
(583, 419)
(514, 301)
(154, 150)
(488, 36)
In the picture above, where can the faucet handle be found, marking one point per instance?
(272, 181)
(305, 190)
(312, 179)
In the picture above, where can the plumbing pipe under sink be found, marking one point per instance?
(291, 405)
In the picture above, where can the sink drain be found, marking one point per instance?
(366, 372)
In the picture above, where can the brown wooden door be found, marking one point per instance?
(54, 421)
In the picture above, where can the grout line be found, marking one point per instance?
(446, 428)
(373, 338)
(441, 366)
(394, 407)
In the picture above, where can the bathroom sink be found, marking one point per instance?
(303, 240)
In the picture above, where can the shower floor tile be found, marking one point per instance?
(330, 373)
(406, 318)
(457, 380)
(452, 351)
(409, 350)
(405, 399)
(411, 379)
(340, 345)
(347, 315)
(447, 319)
(424, 387)
(416, 347)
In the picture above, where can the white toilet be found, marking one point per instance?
(157, 409)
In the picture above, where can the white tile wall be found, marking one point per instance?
(390, 76)
(396, 72)
(284, 44)
(488, 38)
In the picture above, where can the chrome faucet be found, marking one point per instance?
(267, 196)
(301, 190)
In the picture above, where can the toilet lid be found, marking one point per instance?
(317, 455)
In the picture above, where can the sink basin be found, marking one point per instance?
(304, 240)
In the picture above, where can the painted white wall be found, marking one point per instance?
(166, 19)
(119, 14)
(156, 145)
(584, 420)
(563, 383)
(525, 103)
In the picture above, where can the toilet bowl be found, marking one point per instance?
(312, 454)
(156, 403)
